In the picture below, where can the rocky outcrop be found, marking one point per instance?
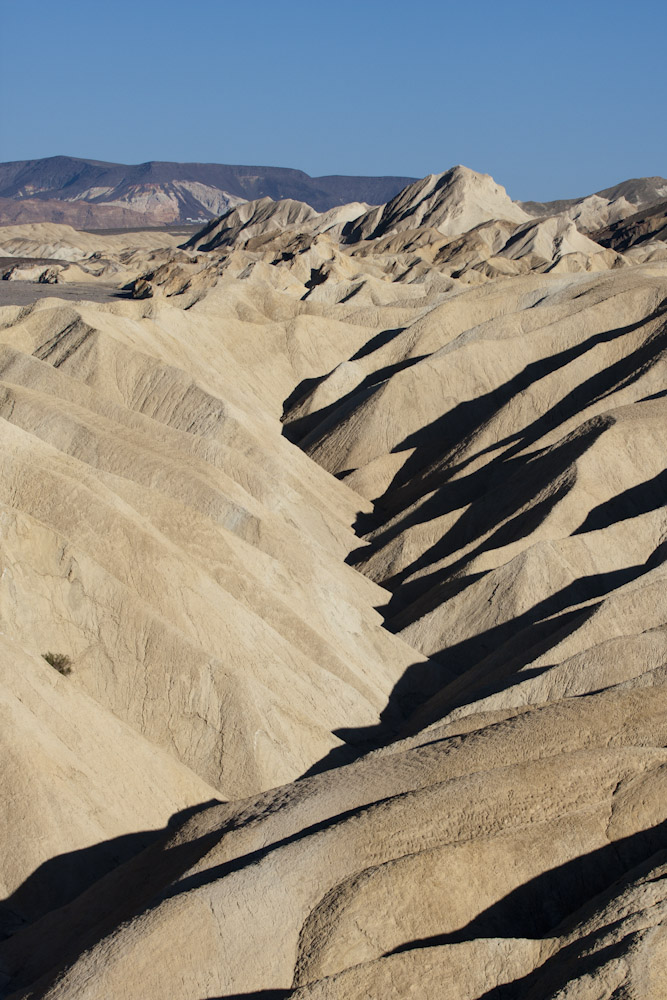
(451, 203)
(607, 207)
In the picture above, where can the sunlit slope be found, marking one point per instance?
(494, 854)
(190, 560)
(517, 469)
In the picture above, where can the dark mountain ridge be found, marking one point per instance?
(636, 190)
(66, 178)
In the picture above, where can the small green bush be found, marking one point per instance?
(60, 662)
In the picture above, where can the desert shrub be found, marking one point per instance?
(60, 662)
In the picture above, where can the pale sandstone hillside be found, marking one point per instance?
(160, 530)
(499, 852)
(264, 219)
(369, 540)
(517, 469)
(452, 203)
(607, 207)
(49, 239)
(74, 787)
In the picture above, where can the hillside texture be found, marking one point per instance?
(352, 527)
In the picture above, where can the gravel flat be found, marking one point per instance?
(23, 293)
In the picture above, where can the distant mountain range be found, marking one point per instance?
(93, 194)
(90, 194)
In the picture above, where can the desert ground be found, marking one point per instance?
(333, 604)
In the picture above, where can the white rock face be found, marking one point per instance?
(596, 211)
(548, 239)
(165, 201)
(451, 203)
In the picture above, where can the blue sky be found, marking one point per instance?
(554, 100)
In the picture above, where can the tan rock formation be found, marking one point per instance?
(365, 541)
(452, 203)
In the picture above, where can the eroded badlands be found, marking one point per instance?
(352, 527)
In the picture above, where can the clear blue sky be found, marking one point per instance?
(553, 99)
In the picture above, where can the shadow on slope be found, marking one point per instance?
(513, 492)
(502, 502)
(462, 673)
(419, 685)
(299, 429)
(62, 935)
(495, 660)
(512, 506)
(637, 500)
(259, 995)
(435, 446)
(549, 905)
(558, 899)
(536, 908)
(61, 879)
